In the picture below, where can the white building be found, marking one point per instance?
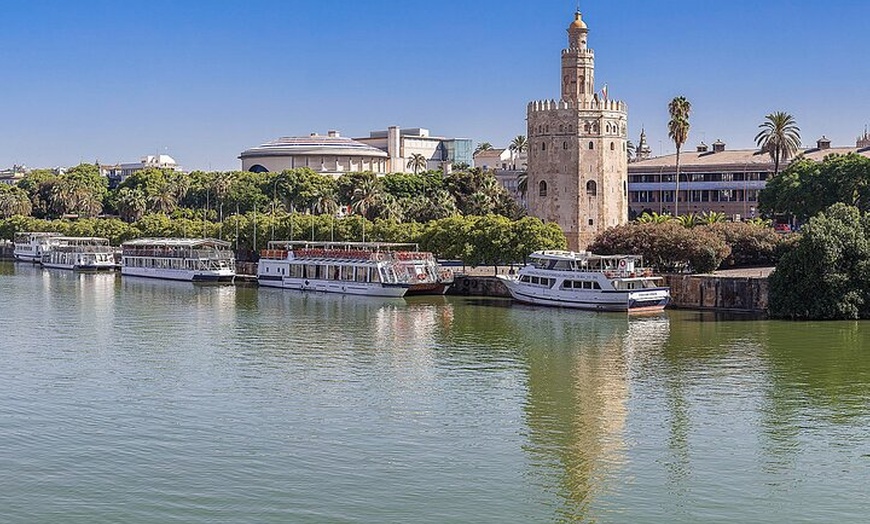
(119, 172)
(402, 144)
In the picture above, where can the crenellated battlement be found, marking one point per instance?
(594, 104)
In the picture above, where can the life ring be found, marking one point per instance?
(421, 276)
(622, 263)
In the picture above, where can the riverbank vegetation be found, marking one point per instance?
(697, 244)
(466, 215)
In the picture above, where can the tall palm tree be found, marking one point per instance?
(678, 130)
(518, 146)
(523, 184)
(163, 201)
(780, 137)
(417, 163)
(366, 196)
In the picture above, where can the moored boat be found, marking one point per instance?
(190, 259)
(30, 246)
(80, 254)
(418, 268)
(587, 281)
(332, 267)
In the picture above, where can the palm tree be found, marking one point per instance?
(518, 146)
(163, 201)
(417, 163)
(483, 146)
(131, 204)
(365, 197)
(678, 130)
(780, 137)
(523, 184)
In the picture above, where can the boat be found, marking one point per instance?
(80, 254)
(587, 281)
(190, 259)
(355, 268)
(30, 246)
(419, 268)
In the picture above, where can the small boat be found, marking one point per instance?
(80, 254)
(587, 281)
(418, 268)
(353, 268)
(30, 246)
(190, 259)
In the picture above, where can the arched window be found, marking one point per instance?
(547, 128)
(561, 128)
(543, 146)
(564, 145)
(542, 189)
(570, 128)
(591, 188)
(586, 127)
(612, 146)
(591, 145)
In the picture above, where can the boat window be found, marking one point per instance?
(536, 280)
(375, 275)
(596, 285)
(347, 273)
(360, 274)
(525, 278)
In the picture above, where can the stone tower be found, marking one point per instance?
(642, 151)
(578, 162)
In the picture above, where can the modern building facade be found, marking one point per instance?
(381, 152)
(331, 154)
(716, 179)
(578, 161)
(402, 144)
(507, 166)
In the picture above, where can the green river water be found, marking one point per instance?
(135, 400)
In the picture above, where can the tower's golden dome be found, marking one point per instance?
(578, 22)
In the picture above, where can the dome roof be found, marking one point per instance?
(314, 145)
(578, 22)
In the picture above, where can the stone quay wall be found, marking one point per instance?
(747, 294)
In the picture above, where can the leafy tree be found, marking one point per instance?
(417, 163)
(348, 183)
(827, 273)
(678, 130)
(667, 246)
(131, 203)
(14, 201)
(807, 187)
(780, 137)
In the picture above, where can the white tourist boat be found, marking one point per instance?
(80, 254)
(191, 259)
(587, 281)
(30, 246)
(356, 268)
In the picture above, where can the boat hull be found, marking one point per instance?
(81, 267)
(648, 300)
(222, 275)
(334, 286)
(437, 288)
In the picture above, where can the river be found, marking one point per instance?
(135, 400)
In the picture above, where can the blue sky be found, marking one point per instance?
(203, 80)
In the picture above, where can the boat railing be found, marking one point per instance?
(337, 254)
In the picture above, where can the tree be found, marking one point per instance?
(131, 204)
(483, 146)
(827, 273)
(780, 137)
(678, 130)
(14, 201)
(417, 163)
(518, 146)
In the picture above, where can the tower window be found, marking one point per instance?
(587, 128)
(591, 145)
(591, 188)
(570, 128)
(591, 222)
(542, 189)
(612, 146)
(561, 128)
(564, 145)
(543, 146)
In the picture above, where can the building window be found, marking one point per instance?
(591, 188)
(570, 128)
(591, 222)
(564, 145)
(543, 146)
(612, 146)
(542, 189)
(587, 127)
(591, 145)
(561, 128)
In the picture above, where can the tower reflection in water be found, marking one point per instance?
(578, 388)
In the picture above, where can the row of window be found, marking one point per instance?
(327, 272)
(591, 188)
(699, 177)
(702, 195)
(590, 146)
(567, 284)
(588, 127)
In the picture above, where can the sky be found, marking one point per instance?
(112, 81)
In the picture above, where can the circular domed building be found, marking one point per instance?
(330, 155)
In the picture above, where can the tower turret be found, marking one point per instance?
(578, 64)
